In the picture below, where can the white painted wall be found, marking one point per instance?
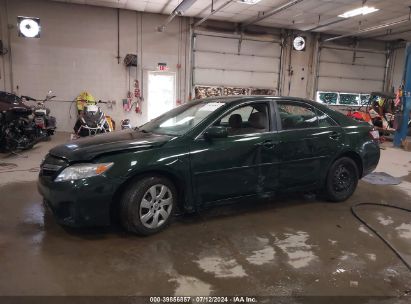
(77, 51)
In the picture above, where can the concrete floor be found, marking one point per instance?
(289, 246)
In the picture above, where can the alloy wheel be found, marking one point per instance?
(342, 179)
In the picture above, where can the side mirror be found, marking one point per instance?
(216, 132)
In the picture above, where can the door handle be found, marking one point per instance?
(335, 135)
(268, 144)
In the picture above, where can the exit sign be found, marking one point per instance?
(161, 66)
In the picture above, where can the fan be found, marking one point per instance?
(29, 27)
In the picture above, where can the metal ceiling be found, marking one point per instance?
(314, 15)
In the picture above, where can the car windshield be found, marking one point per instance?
(179, 121)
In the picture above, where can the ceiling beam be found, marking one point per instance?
(179, 10)
(370, 29)
(213, 12)
(271, 12)
(390, 33)
(325, 25)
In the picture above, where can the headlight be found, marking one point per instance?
(82, 171)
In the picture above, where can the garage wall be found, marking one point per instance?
(299, 67)
(398, 68)
(346, 71)
(250, 62)
(78, 48)
(77, 51)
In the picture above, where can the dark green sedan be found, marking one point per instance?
(204, 153)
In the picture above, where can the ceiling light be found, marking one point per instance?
(365, 10)
(248, 1)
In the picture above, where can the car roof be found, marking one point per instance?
(242, 98)
(228, 99)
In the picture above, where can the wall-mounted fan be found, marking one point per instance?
(28, 27)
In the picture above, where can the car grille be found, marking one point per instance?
(52, 166)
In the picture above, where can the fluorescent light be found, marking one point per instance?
(365, 10)
(248, 1)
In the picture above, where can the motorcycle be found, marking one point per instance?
(44, 123)
(126, 124)
(379, 114)
(16, 128)
(92, 121)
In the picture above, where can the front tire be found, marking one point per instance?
(147, 205)
(342, 180)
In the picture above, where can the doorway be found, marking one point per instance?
(161, 93)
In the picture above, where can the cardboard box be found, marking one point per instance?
(406, 144)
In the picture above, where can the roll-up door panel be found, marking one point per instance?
(236, 62)
(346, 71)
(218, 62)
(210, 77)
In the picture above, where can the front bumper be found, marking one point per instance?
(79, 203)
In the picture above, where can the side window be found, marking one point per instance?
(247, 119)
(297, 116)
(244, 112)
(324, 120)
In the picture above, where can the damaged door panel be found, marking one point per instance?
(308, 141)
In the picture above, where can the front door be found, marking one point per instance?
(309, 140)
(231, 167)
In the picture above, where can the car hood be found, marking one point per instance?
(87, 148)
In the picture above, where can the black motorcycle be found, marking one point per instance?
(16, 128)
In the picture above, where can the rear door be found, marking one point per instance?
(309, 140)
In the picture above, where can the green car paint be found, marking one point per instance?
(205, 171)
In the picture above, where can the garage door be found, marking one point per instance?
(227, 62)
(345, 71)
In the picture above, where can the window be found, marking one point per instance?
(365, 98)
(297, 116)
(247, 119)
(349, 99)
(328, 97)
(180, 120)
(324, 120)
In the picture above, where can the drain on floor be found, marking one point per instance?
(381, 178)
(7, 166)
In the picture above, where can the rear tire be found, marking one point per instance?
(147, 205)
(342, 180)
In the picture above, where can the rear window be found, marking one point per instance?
(295, 115)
